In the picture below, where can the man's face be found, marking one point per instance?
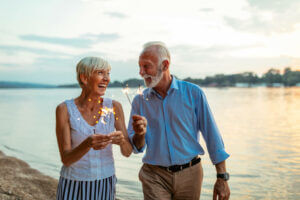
(150, 68)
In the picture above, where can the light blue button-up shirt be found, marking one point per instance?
(174, 123)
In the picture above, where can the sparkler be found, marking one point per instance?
(126, 92)
(139, 91)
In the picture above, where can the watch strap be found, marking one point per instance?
(224, 176)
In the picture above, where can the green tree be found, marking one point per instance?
(272, 76)
(290, 78)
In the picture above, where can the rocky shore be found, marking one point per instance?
(19, 181)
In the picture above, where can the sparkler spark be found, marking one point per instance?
(105, 113)
(102, 120)
(140, 90)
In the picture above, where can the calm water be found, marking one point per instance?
(260, 128)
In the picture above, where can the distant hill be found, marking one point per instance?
(13, 84)
(133, 82)
(10, 84)
(75, 85)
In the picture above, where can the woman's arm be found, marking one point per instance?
(120, 137)
(63, 133)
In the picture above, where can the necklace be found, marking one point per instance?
(98, 115)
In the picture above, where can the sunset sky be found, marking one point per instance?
(42, 41)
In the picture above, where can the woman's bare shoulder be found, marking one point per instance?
(61, 108)
(116, 103)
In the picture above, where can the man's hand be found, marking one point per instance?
(139, 125)
(221, 190)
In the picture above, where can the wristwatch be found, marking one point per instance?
(224, 176)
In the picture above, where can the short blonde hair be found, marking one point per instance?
(88, 65)
(161, 49)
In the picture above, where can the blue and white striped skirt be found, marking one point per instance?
(103, 189)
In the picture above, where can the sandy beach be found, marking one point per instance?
(19, 181)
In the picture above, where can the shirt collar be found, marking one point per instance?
(173, 86)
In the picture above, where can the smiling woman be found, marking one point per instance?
(85, 145)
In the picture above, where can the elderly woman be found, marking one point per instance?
(86, 128)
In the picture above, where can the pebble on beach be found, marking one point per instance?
(18, 181)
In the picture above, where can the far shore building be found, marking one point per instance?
(242, 85)
(245, 85)
(277, 85)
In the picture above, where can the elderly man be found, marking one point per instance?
(176, 112)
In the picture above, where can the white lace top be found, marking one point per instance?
(95, 164)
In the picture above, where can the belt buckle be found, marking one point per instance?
(177, 168)
(168, 169)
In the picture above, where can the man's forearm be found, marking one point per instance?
(138, 141)
(221, 167)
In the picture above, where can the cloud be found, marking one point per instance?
(84, 41)
(116, 14)
(197, 61)
(57, 69)
(206, 10)
(92, 1)
(12, 49)
(101, 37)
(208, 65)
(274, 5)
(193, 52)
(8, 65)
(268, 16)
(256, 24)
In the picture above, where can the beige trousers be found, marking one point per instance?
(159, 184)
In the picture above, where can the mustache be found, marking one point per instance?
(148, 76)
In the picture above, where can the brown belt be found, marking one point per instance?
(176, 168)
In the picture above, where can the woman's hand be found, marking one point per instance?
(117, 137)
(99, 141)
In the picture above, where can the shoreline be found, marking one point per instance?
(19, 181)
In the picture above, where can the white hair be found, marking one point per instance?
(160, 47)
(88, 65)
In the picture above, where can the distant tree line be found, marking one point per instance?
(133, 82)
(270, 78)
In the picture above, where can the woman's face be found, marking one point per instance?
(99, 81)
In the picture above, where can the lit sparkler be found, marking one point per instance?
(105, 113)
(126, 92)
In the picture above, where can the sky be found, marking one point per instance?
(41, 41)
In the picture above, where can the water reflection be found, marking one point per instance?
(260, 128)
(261, 131)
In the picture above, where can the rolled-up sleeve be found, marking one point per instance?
(209, 130)
(134, 111)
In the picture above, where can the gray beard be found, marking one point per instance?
(154, 79)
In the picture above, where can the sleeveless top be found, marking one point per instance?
(95, 164)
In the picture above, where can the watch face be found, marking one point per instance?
(224, 176)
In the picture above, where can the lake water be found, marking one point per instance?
(260, 129)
